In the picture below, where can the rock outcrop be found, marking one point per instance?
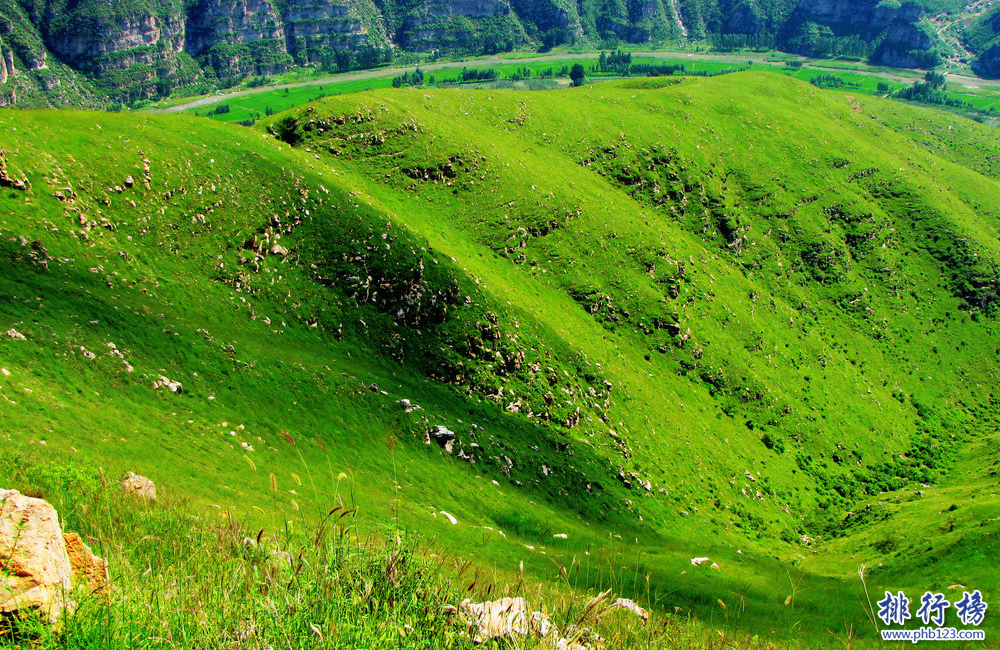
(8, 62)
(314, 28)
(443, 436)
(231, 22)
(510, 619)
(237, 37)
(119, 42)
(45, 569)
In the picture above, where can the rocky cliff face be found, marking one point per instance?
(459, 24)
(905, 45)
(314, 27)
(236, 38)
(30, 75)
(118, 43)
(230, 22)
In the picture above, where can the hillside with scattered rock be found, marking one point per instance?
(706, 334)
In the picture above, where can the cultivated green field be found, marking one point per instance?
(858, 78)
(737, 317)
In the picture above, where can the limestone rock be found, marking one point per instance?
(42, 565)
(139, 486)
(165, 382)
(37, 572)
(632, 606)
(442, 435)
(495, 619)
(89, 571)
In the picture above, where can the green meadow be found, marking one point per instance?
(736, 317)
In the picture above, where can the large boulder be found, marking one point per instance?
(139, 485)
(442, 435)
(505, 618)
(42, 566)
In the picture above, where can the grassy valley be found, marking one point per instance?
(737, 317)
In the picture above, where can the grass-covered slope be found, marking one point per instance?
(737, 317)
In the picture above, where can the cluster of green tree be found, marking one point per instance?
(760, 42)
(925, 58)
(987, 64)
(813, 39)
(415, 78)
(830, 81)
(368, 56)
(476, 74)
(261, 57)
(259, 81)
(930, 91)
(620, 63)
(655, 69)
(521, 73)
(616, 62)
(555, 37)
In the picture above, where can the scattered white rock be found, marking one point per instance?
(630, 605)
(174, 386)
(14, 334)
(449, 517)
(505, 618)
(698, 561)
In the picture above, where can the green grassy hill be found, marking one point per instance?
(736, 317)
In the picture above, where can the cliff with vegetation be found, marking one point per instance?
(982, 38)
(89, 52)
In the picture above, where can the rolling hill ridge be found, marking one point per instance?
(736, 316)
